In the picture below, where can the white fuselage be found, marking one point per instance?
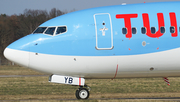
(160, 64)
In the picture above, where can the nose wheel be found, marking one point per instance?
(82, 93)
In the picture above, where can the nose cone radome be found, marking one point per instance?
(17, 56)
(18, 52)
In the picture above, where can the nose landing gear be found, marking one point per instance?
(82, 93)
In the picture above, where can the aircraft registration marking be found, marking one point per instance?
(67, 80)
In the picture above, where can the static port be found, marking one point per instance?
(151, 69)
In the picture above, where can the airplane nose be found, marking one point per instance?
(18, 51)
(17, 56)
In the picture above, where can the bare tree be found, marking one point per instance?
(55, 12)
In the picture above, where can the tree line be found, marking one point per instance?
(16, 26)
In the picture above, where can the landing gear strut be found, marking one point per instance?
(82, 93)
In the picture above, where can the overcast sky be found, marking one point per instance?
(11, 7)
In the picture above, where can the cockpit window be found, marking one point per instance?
(61, 30)
(50, 30)
(40, 30)
(55, 30)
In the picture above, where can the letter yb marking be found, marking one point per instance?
(70, 81)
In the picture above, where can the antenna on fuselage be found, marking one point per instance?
(123, 4)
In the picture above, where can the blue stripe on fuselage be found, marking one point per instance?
(80, 39)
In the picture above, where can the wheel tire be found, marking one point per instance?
(82, 93)
(77, 94)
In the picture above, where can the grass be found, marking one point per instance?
(34, 88)
(17, 70)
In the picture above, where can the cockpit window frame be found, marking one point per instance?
(48, 28)
(40, 27)
(60, 33)
(54, 34)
